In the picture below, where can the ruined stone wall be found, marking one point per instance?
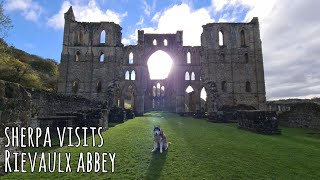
(27, 107)
(235, 68)
(15, 104)
(237, 62)
(44, 104)
(302, 115)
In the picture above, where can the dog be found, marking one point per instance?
(159, 139)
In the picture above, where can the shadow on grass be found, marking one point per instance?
(156, 165)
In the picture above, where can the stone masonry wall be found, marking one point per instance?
(26, 107)
(88, 65)
(302, 115)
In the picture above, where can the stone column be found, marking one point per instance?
(140, 105)
(180, 104)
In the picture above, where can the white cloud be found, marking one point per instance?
(29, 9)
(126, 41)
(291, 44)
(148, 9)
(180, 17)
(90, 12)
(140, 22)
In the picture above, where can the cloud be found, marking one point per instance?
(291, 46)
(89, 12)
(180, 17)
(29, 9)
(148, 9)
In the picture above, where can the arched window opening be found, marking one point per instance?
(103, 37)
(165, 42)
(131, 58)
(188, 58)
(221, 38)
(243, 38)
(193, 76)
(98, 87)
(222, 57)
(189, 89)
(79, 37)
(162, 91)
(246, 57)
(154, 91)
(203, 94)
(224, 86)
(101, 57)
(78, 56)
(133, 75)
(248, 86)
(158, 89)
(127, 75)
(159, 65)
(187, 76)
(154, 42)
(75, 87)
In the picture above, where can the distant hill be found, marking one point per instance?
(27, 69)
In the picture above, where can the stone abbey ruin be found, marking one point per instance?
(228, 66)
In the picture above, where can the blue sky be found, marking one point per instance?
(290, 30)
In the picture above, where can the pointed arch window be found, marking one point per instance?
(187, 76)
(154, 91)
(162, 91)
(221, 38)
(158, 89)
(243, 38)
(78, 56)
(154, 42)
(189, 89)
(246, 57)
(131, 58)
(165, 42)
(101, 57)
(75, 87)
(127, 75)
(222, 57)
(248, 86)
(103, 37)
(80, 37)
(133, 75)
(193, 76)
(224, 86)
(99, 87)
(188, 58)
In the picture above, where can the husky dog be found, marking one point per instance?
(159, 139)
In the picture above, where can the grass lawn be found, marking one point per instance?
(199, 150)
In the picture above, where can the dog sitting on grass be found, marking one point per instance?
(159, 139)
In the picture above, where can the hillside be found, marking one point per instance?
(27, 69)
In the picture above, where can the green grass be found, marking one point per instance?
(199, 150)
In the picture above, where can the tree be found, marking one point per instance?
(5, 23)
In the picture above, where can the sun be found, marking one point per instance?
(159, 65)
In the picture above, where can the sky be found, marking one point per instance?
(290, 30)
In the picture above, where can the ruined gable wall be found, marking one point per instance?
(229, 62)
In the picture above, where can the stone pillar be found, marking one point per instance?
(122, 102)
(140, 105)
(180, 104)
(198, 100)
(104, 119)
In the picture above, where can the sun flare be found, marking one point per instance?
(159, 65)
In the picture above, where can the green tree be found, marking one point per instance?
(5, 23)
